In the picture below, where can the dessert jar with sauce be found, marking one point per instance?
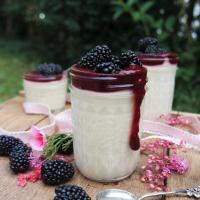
(161, 71)
(46, 85)
(106, 119)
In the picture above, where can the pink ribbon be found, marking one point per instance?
(60, 122)
(176, 135)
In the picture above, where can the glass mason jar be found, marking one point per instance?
(48, 90)
(106, 121)
(161, 72)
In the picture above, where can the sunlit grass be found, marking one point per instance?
(16, 57)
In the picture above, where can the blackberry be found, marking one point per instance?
(21, 148)
(68, 192)
(116, 61)
(56, 172)
(127, 58)
(145, 42)
(106, 68)
(101, 53)
(19, 161)
(88, 61)
(154, 50)
(7, 143)
(49, 69)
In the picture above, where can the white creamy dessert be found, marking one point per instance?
(160, 90)
(161, 71)
(49, 90)
(104, 120)
(101, 126)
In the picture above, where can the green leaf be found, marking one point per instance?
(170, 23)
(117, 13)
(131, 2)
(146, 6)
(117, 2)
(158, 23)
(136, 16)
(163, 36)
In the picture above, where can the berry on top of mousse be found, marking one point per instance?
(101, 60)
(150, 46)
(129, 57)
(49, 69)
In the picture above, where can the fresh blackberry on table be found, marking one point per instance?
(56, 172)
(154, 50)
(19, 161)
(21, 148)
(49, 69)
(68, 192)
(127, 58)
(145, 42)
(7, 143)
(106, 68)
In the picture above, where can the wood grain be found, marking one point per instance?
(13, 118)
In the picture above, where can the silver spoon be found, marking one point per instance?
(115, 194)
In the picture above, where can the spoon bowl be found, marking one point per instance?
(115, 194)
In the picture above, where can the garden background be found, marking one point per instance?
(60, 31)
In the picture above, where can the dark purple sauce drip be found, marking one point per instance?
(132, 78)
(37, 77)
(157, 59)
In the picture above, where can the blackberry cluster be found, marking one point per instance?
(154, 50)
(106, 68)
(149, 45)
(101, 60)
(19, 161)
(145, 42)
(89, 61)
(101, 53)
(49, 69)
(116, 61)
(17, 151)
(69, 192)
(7, 143)
(56, 172)
(129, 57)
(22, 148)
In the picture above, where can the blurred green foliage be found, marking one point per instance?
(62, 30)
(15, 60)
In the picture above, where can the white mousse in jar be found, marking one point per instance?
(106, 121)
(161, 71)
(46, 88)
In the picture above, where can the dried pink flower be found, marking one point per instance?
(37, 139)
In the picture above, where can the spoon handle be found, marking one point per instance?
(195, 192)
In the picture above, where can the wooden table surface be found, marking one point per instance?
(13, 118)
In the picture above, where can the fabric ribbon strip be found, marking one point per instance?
(59, 122)
(173, 134)
(62, 122)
